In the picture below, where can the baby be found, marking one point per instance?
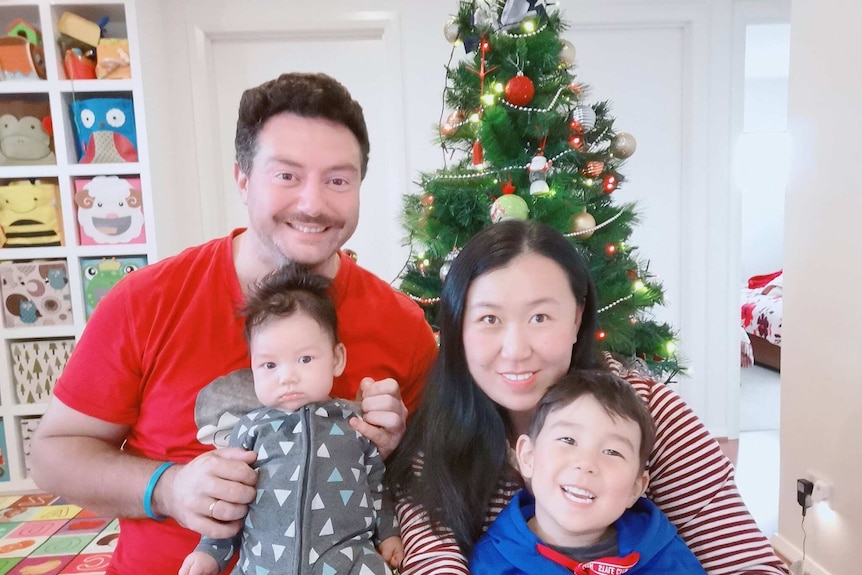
(320, 505)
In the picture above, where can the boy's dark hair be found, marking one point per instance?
(306, 95)
(287, 290)
(612, 392)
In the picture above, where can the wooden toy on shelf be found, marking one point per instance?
(79, 28)
(24, 29)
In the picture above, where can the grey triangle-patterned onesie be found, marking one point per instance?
(319, 507)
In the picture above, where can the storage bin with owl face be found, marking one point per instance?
(104, 130)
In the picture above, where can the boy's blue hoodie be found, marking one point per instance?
(510, 547)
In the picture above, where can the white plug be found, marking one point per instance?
(822, 491)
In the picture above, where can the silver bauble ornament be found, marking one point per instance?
(451, 31)
(585, 116)
(623, 145)
(447, 264)
(567, 54)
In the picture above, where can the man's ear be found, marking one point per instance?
(241, 182)
(524, 449)
(639, 487)
(340, 359)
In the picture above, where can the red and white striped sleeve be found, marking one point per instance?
(692, 482)
(427, 551)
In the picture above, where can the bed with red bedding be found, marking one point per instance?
(761, 315)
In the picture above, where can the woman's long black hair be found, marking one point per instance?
(458, 433)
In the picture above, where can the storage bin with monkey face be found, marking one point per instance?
(26, 133)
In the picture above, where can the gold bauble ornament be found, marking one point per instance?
(567, 54)
(583, 222)
(451, 31)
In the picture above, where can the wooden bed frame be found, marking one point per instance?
(766, 354)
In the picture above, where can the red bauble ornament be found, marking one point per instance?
(610, 249)
(601, 335)
(520, 90)
(609, 183)
(454, 121)
(593, 169)
(576, 141)
(427, 200)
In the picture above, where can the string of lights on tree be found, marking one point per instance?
(519, 140)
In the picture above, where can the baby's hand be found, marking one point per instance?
(199, 563)
(392, 551)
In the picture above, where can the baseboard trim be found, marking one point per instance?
(790, 553)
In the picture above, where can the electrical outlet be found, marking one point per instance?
(822, 491)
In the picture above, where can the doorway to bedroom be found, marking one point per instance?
(761, 162)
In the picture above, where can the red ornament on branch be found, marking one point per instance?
(478, 153)
(520, 90)
(508, 187)
(593, 169)
(609, 183)
(484, 47)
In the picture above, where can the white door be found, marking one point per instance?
(218, 48)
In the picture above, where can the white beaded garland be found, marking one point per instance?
(614, 304)
(542, 110)
(538, 30)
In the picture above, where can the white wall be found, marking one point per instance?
(821, 391)
(761, 159)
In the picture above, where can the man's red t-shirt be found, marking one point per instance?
(171, 328)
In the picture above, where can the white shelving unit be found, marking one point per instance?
(16, 415)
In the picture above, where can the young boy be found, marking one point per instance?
(320, 498)
(584, 461)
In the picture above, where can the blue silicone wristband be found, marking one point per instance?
(148, 492)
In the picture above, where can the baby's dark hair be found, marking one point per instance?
(612, 392)
(290, 289)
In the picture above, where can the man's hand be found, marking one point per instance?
(384, 415)
(211, 493)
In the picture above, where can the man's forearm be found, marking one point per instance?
(96, 475)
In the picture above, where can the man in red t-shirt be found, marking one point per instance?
(120, 438)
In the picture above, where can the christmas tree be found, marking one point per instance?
(520, 140)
